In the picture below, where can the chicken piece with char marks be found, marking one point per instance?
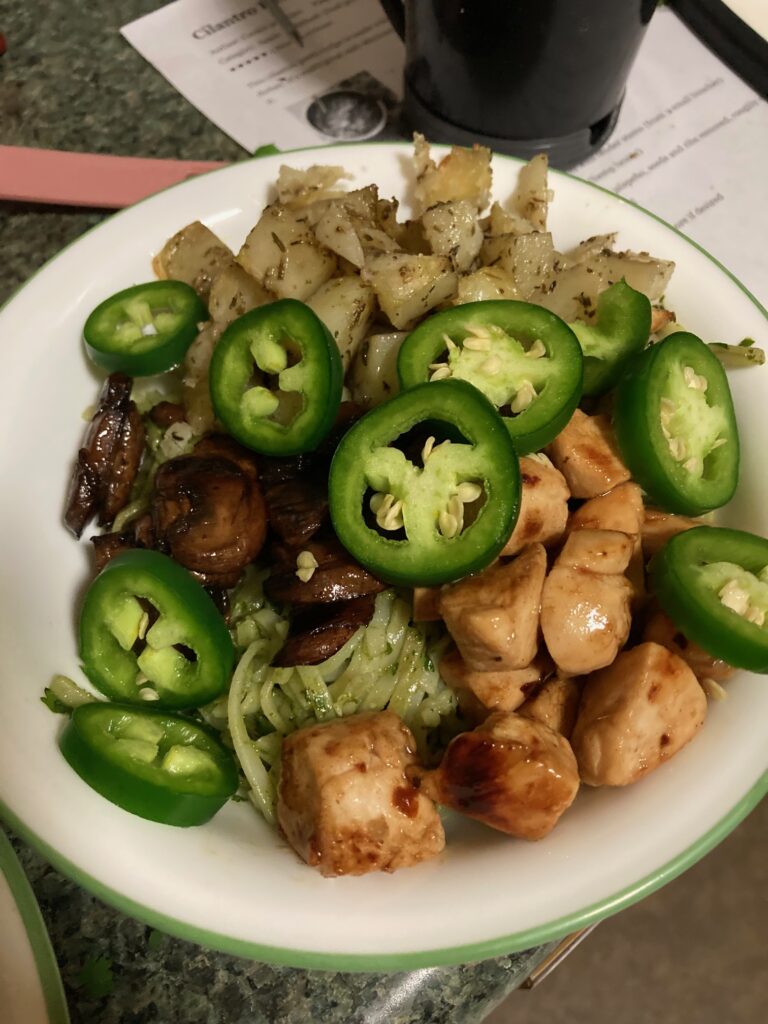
(636, 714)
(555, 703)
(344, 802)
(585, 453)
(480, 693)
(511, 773)
(543, 506)
(494, 617)
(660, 629)
(585, 613)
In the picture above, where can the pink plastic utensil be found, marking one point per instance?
(88, 179)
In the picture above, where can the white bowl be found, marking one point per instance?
(233, 884)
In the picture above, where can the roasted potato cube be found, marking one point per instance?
(194, 255)
(511, 773)
(452, 230)
(577, 285)
(635, 715)
(494, 617)
(486, 283)
(336, 231)
(462, 174)
(344, 802)
(281, 252)
(346, 307)
(502, 222)
(543, 505)
(532, 196)
(585, 453)
(528, 259)
(407, 287)
(300, 187)
(373, 378)
(234, 292)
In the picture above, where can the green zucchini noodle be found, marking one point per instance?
(390, 663)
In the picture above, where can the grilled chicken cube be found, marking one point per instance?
(658, 527)
(344, 802)
(480, 693)
(543, 506)
(620, 509)
(426, 604)
(494, 617)
(555, 703)
(585, 453)
(635, 715)
(511, 773)
(602, 551)
(660, 629)
(585, 616)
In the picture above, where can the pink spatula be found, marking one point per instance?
(88, 179)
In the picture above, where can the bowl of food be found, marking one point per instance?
(387, 564)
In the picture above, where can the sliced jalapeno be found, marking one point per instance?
(436, 521)
(621, 331)
(523, 358)
(676, 427)
(276, 379)
(151, 763)
(713, 584)
(146, 329)
(149, 631)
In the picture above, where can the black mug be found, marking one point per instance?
(520, 76)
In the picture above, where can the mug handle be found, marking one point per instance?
(395, 11)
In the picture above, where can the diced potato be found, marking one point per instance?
(575, 288)
(373, 378)
(452, 230)
(281, 252)
(502, 222)
(532, 196)
(407, 287)
(234, 292)
(375, 240)
(590, 247)
(462, 174)
(528, 259)
(346, 307)
(301, 187)
(196, 396)
(641, 271)
(336, 232)
(194, 255)
(485, 283)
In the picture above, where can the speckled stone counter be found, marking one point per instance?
(69, 81)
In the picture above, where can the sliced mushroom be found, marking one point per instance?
(208, 511)
(320, 631)
(337, 577)
(296, 510)
(109, 460)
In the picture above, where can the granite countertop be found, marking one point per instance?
(69, 81)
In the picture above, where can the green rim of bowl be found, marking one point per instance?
(406, 961)
(40, 943)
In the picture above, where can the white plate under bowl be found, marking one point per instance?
(233, 884)
(30, 985)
